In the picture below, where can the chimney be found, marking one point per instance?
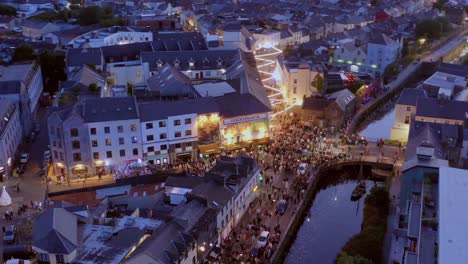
(425, 151)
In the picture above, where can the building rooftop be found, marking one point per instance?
(441, 108)
(109, 109)
(106, 244)
(446, 80)
(453, 198)
(409, 96)
(213, 89)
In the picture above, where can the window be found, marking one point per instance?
(122, 153)
(150, 149)
(107, 130)
(55, 155)
(188, 121)
(178, 134)
(76, 156)
(121, 141)
(52, 130)
(188, 144)
(162, 136)
(294, 90)
(406, 119)
(109, 154)
(108, 142)
(74, 132)
(149, 125)
(94, 143)
(92, 131)
(408, 108)
(135, 151)
(133, 127)
(177, 122)
(60, 144)
(76, 144)
(120, 129)
(178, 146)
(295, 81)
(44, 257)
(149, 137)
(134, 139)
(54, 144)
(188, 132)
(61, 155)
(58, 132)
(164, 147)
(96, 155)
(162, 123)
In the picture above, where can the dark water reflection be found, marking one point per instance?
(333, 220)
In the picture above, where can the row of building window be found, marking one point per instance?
(164, 146)
(108, 141)
(109, 154)
(177, 134)
(177, 122)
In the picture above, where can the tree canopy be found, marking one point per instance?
(347, 259)
(432, 28)
(95, 15)
(24, 53)
(7, 10)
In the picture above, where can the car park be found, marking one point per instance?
(263, 239)
(10, 234)
(282, 207)
(24, 158)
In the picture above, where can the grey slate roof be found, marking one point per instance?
(168, 81)
(440, 108)
(409, 96)
(79, 57)
(455, 69)
(55, 231)
(159, 110)
(10, 87)
(342, 98)
(234, 104)
(109, 109)
(127, 52)
(202, 59)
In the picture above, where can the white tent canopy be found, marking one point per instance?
(5, 199)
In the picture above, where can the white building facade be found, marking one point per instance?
(10, 135)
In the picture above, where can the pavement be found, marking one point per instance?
(32, 188)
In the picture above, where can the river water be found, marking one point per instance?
(333, 220)
(380, 128)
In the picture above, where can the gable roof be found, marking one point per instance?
(441, 108)
(55, 231)
(109, 109)
(79, 57)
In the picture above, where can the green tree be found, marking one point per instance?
(432, 28)
(318, 83)
(129, 89)
(24, 53)
(93, 88)
(439, 4)
(7, 10)
(53, 70)
(344, 258)
(89, 15)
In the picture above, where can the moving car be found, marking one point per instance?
(282, 207)
(263, 239)
(9, 235)
(24, 158)
(301, 170)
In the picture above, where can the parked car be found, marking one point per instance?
(263, 239)
(24, 158)
(282, 207)
(17, 29)
(302, 169)
(9, 235)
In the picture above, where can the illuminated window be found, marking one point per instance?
(108, 142)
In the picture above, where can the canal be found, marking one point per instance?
(333, 220)
(380, 128)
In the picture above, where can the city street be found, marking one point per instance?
(32, 188)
